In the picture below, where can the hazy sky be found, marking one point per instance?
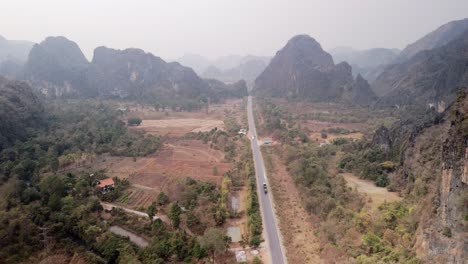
(214, 28)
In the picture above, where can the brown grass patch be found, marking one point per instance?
(377, 195)
(179, 127)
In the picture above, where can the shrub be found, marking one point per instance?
(447, 232)
(134, 121)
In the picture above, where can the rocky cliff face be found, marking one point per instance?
(58, 68)
(429, 78)
(443, 238)
(437, 38)
(431, 149)
(302, 69)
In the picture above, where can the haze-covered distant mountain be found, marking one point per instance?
(303, 70)
(197, 62)
(228, 69)
(13, 54)
(58, 68)
(369, 63)
(364, 58)
(437, 38)
(15, 50)
(248, 69)
(431, 77)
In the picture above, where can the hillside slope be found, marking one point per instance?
(429, 78)
(437, 38)
(20, 109)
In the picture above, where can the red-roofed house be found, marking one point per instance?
(106, 184)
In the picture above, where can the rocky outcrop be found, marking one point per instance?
(437, 38)
(358, 92)
(303, 70)
(429, 78)
(58, 68)
(382, 140)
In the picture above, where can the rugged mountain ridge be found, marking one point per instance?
(437, 38)
(431, 77)
(302, 69)
(132, 72)
(58, 68)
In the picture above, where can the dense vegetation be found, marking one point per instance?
(44, 209)
(237, 150)
(346, 225)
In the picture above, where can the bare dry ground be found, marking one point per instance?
(179, 127)
(302, 246)
(377, 195)
(181, 159)
(163, 171)
(176, 124)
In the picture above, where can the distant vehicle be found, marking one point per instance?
(253, 137)
(265, 188)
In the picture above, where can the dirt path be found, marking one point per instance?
(136, 239)
(164, 218)
(301, 244)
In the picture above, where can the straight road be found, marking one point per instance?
(268, 214)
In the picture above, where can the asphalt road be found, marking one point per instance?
(269, 219)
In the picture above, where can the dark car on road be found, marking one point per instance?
(265, 188)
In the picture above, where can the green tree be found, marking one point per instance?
(152, 211)
(174, 214)
(214, 241)
(162, 199)
(257, 260)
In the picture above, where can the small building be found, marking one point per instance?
(105, 185)
(267, 141)
(242, 131)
